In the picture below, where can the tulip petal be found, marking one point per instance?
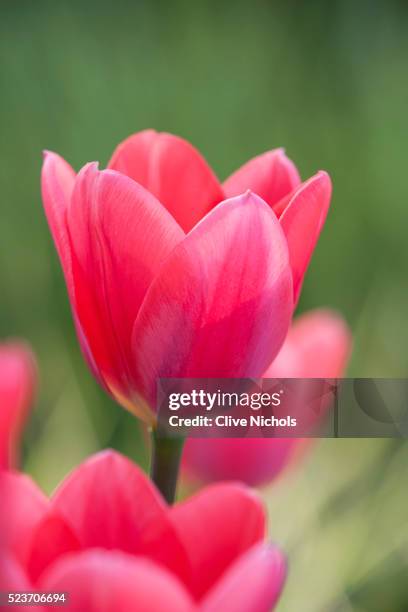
(17, 381)
(216, 526)
(302, 221)
(22, 508)
(101, 581)
(271, 175)
(172, 170)
(13, 578)
(110, 503)
(221, 304)
(57, 184)
(318, 345)
(119, 234)
(254, 582)
(52, 538)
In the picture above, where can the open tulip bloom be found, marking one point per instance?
(108, 541)
(173, 274)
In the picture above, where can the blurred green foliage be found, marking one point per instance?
(326, 80)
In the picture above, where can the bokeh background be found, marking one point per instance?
(327, 80)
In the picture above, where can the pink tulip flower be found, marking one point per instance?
(17, 382)
(317, 346)
(108, 540)
(173, 274)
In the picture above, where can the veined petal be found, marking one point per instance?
(254, 582)
(172, 170)
(271, 175)
(102, 581)
(119, 235)
(57, 184)
(302, 221)
(221, 304)
(234, 520)
(110, 503)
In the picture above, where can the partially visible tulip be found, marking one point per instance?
(108, 540)
(171, 274)
(17, 382)
(317, 346)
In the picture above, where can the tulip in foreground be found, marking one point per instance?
(317, 346)
(171, 273)
(107, 538)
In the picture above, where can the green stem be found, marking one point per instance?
(165, 463)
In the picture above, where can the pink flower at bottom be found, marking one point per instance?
(317, 346)
(107, 538)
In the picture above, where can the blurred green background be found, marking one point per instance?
(327, 80)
